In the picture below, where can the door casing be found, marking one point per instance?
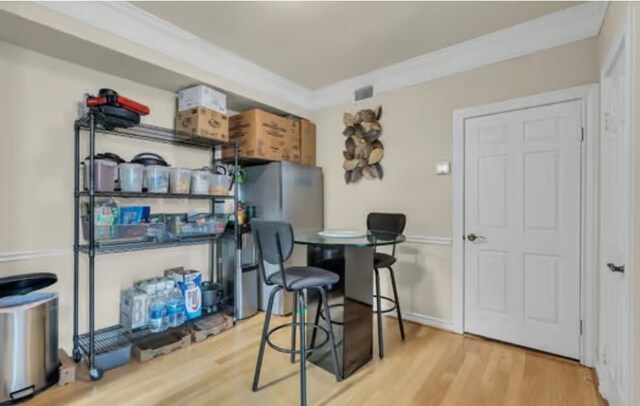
(588, 95)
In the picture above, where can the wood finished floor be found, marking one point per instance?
(431, 367)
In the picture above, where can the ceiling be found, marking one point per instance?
(317, 44)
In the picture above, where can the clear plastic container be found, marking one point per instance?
(200, 182)
(116, 232)
(157, 178)
(131, 176)
(179, 180)
(104, 175)
(219, 185)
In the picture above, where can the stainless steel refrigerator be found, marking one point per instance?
(290, 192)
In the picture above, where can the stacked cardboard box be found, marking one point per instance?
(203, 122)
(202, 111)
(260, 135)
(307, 143)
(292, 148)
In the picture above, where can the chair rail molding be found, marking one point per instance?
(15, 256)
(145, 29)
(426, 239)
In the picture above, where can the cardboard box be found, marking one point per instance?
(307, 143)
(202, 96)
(291, 150)
(203, 122)
(259, 135)
(161, 344)
(210, 326)
(67, 369)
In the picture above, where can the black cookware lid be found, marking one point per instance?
(149, 158)
(23, 284)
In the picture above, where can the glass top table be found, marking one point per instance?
(368, 239)
(350, 300)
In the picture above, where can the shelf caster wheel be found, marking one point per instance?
(95, 374)
(77, 355)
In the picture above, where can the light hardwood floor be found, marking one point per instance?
(431, 367)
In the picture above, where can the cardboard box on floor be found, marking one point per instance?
(260, 135)
(67, 369)
(307, 143)
(203, 122)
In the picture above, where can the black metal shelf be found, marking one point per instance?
(94, 341)
(108, 125)
(150, 245)
(113, 337)
(146, 195)
(243, 161)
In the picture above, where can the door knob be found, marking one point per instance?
(615, 268)
(472, 237)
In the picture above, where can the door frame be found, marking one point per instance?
(588, 95)
(624, 39)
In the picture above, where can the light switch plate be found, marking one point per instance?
(443, 168)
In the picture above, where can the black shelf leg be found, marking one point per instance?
(77, 354)
(94, 372)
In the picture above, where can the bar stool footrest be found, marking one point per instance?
(333, 306)
(293, 350)
(388, 300)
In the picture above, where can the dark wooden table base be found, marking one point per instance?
(351, 306)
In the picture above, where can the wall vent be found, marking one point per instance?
(363, 93)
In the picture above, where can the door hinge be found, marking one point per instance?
(582, 134)
(581, 327)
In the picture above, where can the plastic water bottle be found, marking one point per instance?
(156, 310)
(173, 308)
(181, 314)
(165, 316)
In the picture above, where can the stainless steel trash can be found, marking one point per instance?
(28, 336)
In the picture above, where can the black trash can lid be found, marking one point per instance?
(23, 284)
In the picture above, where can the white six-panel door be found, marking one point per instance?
(522, 225)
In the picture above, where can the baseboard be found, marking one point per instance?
(602, 381)
(426, 320)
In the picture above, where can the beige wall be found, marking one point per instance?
(37, 110)
(417, 125)
(36, 155)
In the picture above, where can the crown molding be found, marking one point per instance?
(569, 25)
(127, 21)
(145, 29)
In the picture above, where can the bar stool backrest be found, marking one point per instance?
(274, 243)
(388, 223)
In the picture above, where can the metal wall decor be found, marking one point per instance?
(363, 148)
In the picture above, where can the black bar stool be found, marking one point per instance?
(387, 223)
(274, 242)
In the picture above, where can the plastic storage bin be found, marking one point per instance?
(200, 182)
(179, 180)
(104, 175)
(157, 178)
(131, 177)
(116, 233)
(219, 185)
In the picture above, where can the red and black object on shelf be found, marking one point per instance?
(122, 111)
